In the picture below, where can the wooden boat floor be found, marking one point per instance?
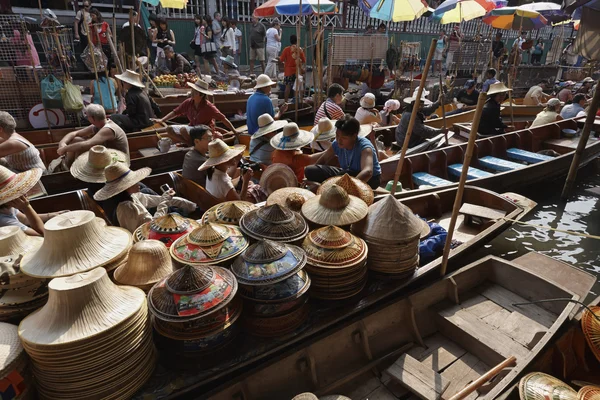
(463, 232)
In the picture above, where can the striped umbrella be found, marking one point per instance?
(397, 10)
(456, 11)
(178, 4)
(515, 18)
(292, 7)
(550, 11)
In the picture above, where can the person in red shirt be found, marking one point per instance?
(99, 30)
(288, 57)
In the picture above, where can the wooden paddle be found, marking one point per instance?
(476, 384)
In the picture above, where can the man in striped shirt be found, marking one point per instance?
(330, 107)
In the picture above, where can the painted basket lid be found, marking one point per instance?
(283, 291)
(334, 247)
(192, 292)
(229, 212)
(268, 262)
(165, 229)
(538, 385)
(209, 244)
(274, 222)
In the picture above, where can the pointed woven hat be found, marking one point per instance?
(229, 212)
(147, 263)
(353, 186)
(13, 241)
(334, 207)
(400, 222)
(274, 222)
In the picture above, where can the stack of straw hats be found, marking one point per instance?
(591, 329)
(229, 212)
(538, 385)
(195, 309)
(337, 263)
(19, 294)
(392, 233)
(147, 263)
(334, 207)
(275, 222)
(352, 186)
(209, 244)
(77, 241)
(166, 229)
(291, 197)
(93, 339)
(274, 287)
(15, 374)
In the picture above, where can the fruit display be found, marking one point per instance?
(178, 81)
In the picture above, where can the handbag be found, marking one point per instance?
(208, 47)
(71, 97)
(51, 88)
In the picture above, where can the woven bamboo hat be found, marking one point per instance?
(325, 129)
(219, 152)
(14, 185)
(589, 392)
(266, 125)
(131, 77)
(274, 222)
(537, 385)
(165, 229)
(75, 242)
(148, 262)
(353, 186)
(10, 348)
(89, 167)
(591, 329)
(277, 176)
(292, 138)
(291, 197)
(13, 241)
(496, 88)
(201, 86)
(334, 207)
(119, 178)
(229, 212)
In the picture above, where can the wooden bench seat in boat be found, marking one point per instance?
(473, 173)
(475, 214)
(423, 178)
(527, 156)
(498, 164)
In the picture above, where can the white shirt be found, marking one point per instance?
(219, 185)
(366, 116)
(132, 214)
(271, 40)
(228, 39)
(519, 42)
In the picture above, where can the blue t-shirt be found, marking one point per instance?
(487, 83)
(350, 159)
(9, 218)
(258, 104)
(571, 110)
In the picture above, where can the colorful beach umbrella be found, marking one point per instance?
(178, 4)
(397, 10)
(550, 11)
(515, 18)
(456, 11)
(292, 7)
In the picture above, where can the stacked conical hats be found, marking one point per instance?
(337, 263)
(352, 186)
(195, 309)
(77, 241)
(229, 212)
(92, 339)
(15, 373)
(334, 206)
(275, 222)
(147, 263)
(19, 294)
(166, 229)
(209, 244)
(538, 385)
(274, 287)
(392, 233)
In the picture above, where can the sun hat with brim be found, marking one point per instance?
(89, 167)
(424, 101)
(263, 81)
(292, 138)
(555, 102)
(266, 125)
(277, 176)
(365, 130)
(131, 77)
(14, 185)
(13, 241)
(201, 86)
(496, 88)
(334, 207)
(229, 61)
(219, 152)
(147, 263)
(368, 101)
(325, 129)
(588, 79)
(119, 178)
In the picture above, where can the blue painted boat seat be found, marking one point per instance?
(473, 173)
(527, 156)
(423, 178)
(498, 164)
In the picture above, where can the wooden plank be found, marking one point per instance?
(418, 378)
(506, 299)
(481, 212)
(381, 393)
(462, 372)
(521, 328)
(480, 306)
(361, 386)
(497, 319)
(440, 352)
(394, 386)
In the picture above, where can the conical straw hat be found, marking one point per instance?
(209, 244)
(400, 223)
(229, 212)
(334, 207)
(13, 241)
(352, 186)
(74, 242)
(291, 197)
(166, 229)
(89, 167)
(274, 222)
(538, 386)
(14, 185)
(147, 263)
(80, 307)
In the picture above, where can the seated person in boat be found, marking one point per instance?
(331, 106)
(571, 110)
(566, 93)
(131, 209)
(490, 78)
(467, 96)
(367, 113)
(586, 86)
(535, 95)
(201, 135)
(420, 131)
(261, 150)
(549, 114)
(387, 114)
(199, 111)
(175, 63)
(101, 131)
(491, 121)
(17, 153)
(288, 149)
(357, 156)
(139, 107)
(324, 134)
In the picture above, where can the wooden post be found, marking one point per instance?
(148, 79)
(93, 53)
(476, 384)
(443, 108)
(463, 179)
(114, 23)
(113, 50)
(413, 115)
(131, 30)
(329, 57)
(510, 101)
(585, 135)
(298, 61)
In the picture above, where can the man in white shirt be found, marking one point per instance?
(536, 96)
(238, 41)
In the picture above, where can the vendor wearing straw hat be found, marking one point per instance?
(139, 107)
(324, 133)
(261, 150)
(420, 131)
(260, 103)
(356, 154)
(288, 151)
(491, 121)
(366, 113)
(131, 210)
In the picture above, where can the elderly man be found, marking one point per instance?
(536, 96)
(175, 63)
(549, 114)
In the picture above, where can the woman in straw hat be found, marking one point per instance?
(131, 209)
(288, 144)
(356, 154)
(139, 107)
(367, 113)
(16, 152)
(491, 121)
(420, 131)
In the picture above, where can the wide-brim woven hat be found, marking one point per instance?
(352, 186)
(219, 152)
(147, 263)
(266, 125)
(10, 347)
(131, 77)
(291, 138)
(13, 241)
(277, 176)
(496, 88)
(334, 207)
(292, 197)
(263, 81)
(201, 87)
(74, 242)
(229, 60)
(229, 212)
(89, 167)
(119, 178)
(14, 185)
(325, 129)
(274, 222)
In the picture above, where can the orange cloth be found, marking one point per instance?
(293, 159)
(288, 58)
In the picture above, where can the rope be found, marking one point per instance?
(552, 229)
(559, 299)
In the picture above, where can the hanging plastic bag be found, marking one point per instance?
(71, 96)
(51, 88)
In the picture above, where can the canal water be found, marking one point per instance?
(580, 213)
